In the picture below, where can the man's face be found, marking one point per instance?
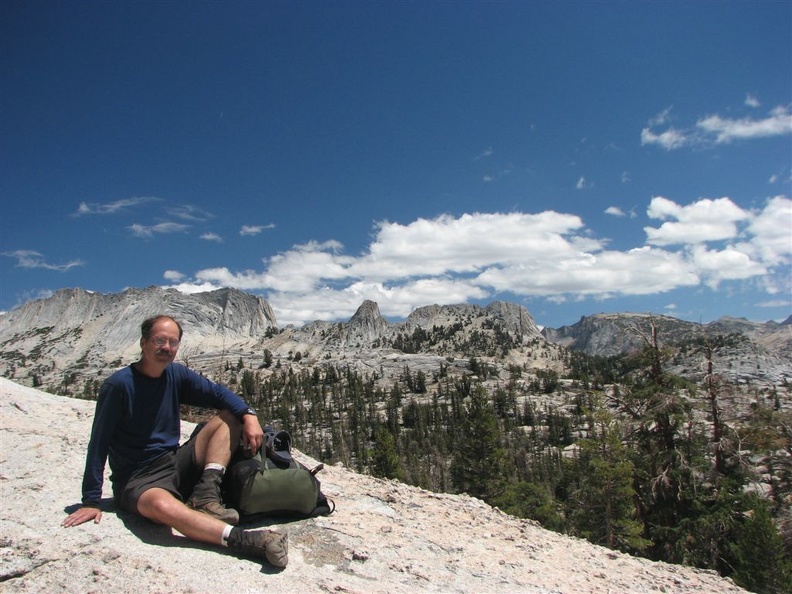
(162, 344)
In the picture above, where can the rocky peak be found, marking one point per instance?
(366, 326)
(231, 312)
(515, 319)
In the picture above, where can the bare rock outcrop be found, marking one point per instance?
(79, 331)
(384, 536)
(366, 326)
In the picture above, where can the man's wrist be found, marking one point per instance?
(246, 412)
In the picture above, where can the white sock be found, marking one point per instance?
(215, 466)
(226, 533)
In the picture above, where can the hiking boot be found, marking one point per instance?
(268, 544)
(216, 510)
(205, 498)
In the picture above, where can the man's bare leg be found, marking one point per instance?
(162, 507)
(218, 439)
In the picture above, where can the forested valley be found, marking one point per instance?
(631, 457)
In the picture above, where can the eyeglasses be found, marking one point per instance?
(161, 341)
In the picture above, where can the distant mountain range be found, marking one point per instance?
(603, 335)
(77, 335)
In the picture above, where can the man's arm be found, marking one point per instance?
(108, 411)
(197, 390)
(204, 392)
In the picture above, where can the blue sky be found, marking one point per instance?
(575, 157)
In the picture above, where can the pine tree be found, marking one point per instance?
(385, 460)
(532, 501)
(479, 464)
(760, 561)
(663, 479)
(602, 505)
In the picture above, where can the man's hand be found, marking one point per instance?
(252, 433)
(82, 515)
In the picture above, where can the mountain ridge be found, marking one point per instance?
(77, 334)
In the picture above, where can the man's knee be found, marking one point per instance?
(217, 441)
(158, 505)
(223, 420)
(230, 419)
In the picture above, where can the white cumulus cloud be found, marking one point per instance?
(551, 255)
(704, 220)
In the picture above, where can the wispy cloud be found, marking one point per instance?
(484, 154)
(209, 236)
(752, 101)
(147, 231)
(776, 303)
(669, 139)
(782, 176)
(551, 255)
(189, 212)
(490, 177)
(254, 229)
(724, 130)
(615, 211)
(661, 118)
(33, 259)
(108, 208)
(715, 130)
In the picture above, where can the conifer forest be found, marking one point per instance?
(633, 458)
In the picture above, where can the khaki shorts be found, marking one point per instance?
(177, 472)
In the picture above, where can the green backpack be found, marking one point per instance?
(273, 483)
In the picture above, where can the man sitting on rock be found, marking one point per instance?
(137, 427)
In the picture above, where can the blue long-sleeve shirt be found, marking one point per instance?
(137, 420)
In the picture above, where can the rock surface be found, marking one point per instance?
(383, 537)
